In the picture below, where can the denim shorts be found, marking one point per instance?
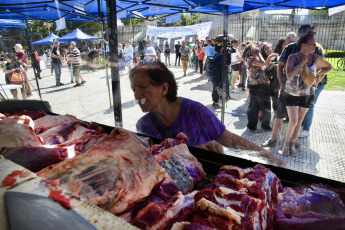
(302, 101)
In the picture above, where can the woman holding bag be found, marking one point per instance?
(301, 73)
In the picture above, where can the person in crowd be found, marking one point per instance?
(90, 59)
(20, 54)
(258, 85)
(191, 60)
(121, 61)
(69, 63)
(128, 55)
(150, 52)
(178, 53)
(271, 71)
(235, 65)
(243, 67)
(56, 62)
(298, 95)
(159, 54)
(76, 64)
(11, 66)
(167, 53)
(200, 52)
(216, 77)
(2, 58)
(290, 48)
(98, 47)
(195, 55)
(135, 50)
(185, 51)
(35, 62)
(155, 89)
(210, 52)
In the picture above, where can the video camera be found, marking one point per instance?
(231, 48)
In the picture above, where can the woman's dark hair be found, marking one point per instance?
(304, 39)
(158, 74)
(279, 47)
(218, 49)
(263, 53)
(10, 56)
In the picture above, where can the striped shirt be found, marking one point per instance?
(76, 56)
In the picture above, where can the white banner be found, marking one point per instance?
(159, 35)
(154, 9)
(238, 3)
(173, 18)
(80, 7)
(138, 14)
(60, 24)
(335, 10)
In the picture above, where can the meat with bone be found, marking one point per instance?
(17, 132)
(225, 208)
(66, 133)
(47, 122)
(163, 215)
(112, 175)
(183, 169)
(313, 206)
(34, 158)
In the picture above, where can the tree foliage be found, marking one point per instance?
(186, 20)
(325, 11)
(132, 21)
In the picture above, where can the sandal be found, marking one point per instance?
(293, 151)
(286, 151)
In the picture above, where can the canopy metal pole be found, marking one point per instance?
(30, 50)
(225, 60)
(114, 61)
(101, 15)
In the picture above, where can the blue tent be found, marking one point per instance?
(77, 35)
(12, 24)
(48, 40)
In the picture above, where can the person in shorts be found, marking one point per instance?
(76, 64)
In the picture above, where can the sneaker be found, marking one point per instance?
(303, 133)
(266, 128)
(236, 90)
(251, 130)
(269, 143)
(59, 84)
(286, 151)
(83, 82)
(216, 106)
(77, 85)
(243, 88)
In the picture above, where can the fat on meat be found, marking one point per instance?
(114, 174)
(49, 121)
(182, 167)
(66, 133)
(17, 132)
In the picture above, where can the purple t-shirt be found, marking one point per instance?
(195, 120)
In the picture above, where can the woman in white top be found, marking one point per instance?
(235, 65)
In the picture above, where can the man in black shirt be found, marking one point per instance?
(56, 62)
(177, 52)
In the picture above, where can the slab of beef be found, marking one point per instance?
(33, 114)
(66, 133)
(117, 172)
(47, 122)
(34, 158)
(313, 206)
(2, 116)
(183, 169)
(17, 132)
(225, 208)
(258, 182)
(188, 226)
(163, 215)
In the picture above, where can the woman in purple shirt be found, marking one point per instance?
(155, 89)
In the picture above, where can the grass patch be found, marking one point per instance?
(335, 78)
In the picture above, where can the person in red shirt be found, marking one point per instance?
(21, 55)
(201, 55)
(36, 63)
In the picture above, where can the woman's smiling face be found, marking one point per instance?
(147, 94)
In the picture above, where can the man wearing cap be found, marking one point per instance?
(22, 56)
(56, 62)
(76, 64)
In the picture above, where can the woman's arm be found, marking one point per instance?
(258, 62)
(323, 64)
(292, 69)
(232, 140)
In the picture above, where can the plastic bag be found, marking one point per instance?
(42, 65)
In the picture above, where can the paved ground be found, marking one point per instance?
(321, 153)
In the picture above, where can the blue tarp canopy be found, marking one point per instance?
(45, 41)
(51, 10)
(77, 35)
(12, 24)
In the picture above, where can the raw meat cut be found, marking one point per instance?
(2, 116)
(17, 132)
(114, 174)
(66, 133)
(183, 169)
(34, 158)
(189, 226)
(163, 215)
(310, 207)
(47, 122)
(88, 141)
(33, 114)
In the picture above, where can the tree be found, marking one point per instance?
(325, 11)
(132, 21)
(186, 20)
